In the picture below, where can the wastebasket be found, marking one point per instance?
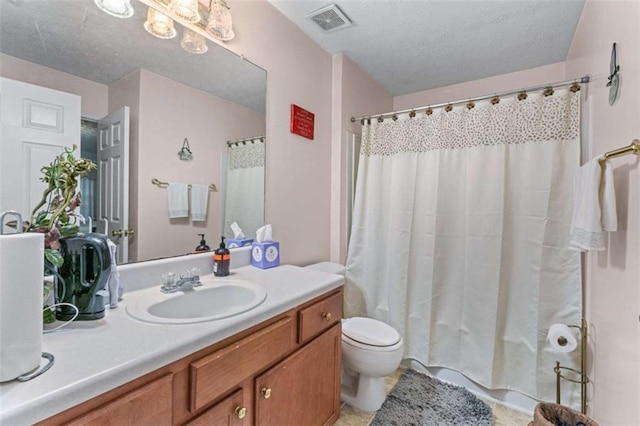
(549, 414)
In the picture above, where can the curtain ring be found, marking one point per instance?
(522, 96)
(412, 114)
(369, 121)
(575, 87)
(495, 100)
(470, 105)
(394, 117)
(362, 122)
(448, 108)
(380, 119)
(548, 91)
(428, 111)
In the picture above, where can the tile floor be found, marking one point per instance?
(502, 416)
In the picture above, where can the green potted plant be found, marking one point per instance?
(55, 215)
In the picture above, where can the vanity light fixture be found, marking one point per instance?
(159, 25)
(186, 9)
(220, 22)
(117, 8)
(193, 42)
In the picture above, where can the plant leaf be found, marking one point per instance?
(54, 257)
(69, 230)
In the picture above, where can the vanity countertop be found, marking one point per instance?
(93, 357)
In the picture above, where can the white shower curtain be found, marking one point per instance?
(244, 202)
(459, 237)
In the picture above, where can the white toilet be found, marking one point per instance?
(371, 350)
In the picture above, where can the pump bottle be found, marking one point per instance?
(221, 260)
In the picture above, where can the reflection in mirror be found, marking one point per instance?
(244, 195)
(165, 94)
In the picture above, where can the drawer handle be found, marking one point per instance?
(327, 316)
(266, 392)
(241, 412)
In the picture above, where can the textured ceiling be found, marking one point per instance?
(74, 36)
(409, 46)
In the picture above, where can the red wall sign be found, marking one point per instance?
(302, 122)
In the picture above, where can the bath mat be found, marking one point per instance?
(420, 400)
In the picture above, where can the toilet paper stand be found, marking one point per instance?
(558, 369)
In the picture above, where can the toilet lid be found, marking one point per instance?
(370, 332)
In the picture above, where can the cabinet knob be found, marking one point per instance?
(241, 412)
(129, 233)
(117, 233)
(266, 392)
(326, 316)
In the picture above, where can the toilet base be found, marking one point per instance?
(367, 395)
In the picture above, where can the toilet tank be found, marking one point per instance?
(330, 267)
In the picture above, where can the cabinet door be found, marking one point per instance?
(304, 389)
(150, 404)
(228, 412)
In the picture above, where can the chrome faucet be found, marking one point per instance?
(171, 285)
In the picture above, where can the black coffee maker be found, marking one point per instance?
(83, 276)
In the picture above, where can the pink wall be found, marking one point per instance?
(355, 93)
(486, 86)
(94, 95)
(298, 173)
(170, 111)
(613, 276)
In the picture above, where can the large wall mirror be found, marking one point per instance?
(215, 100)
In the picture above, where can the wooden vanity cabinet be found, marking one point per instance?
(284, 371)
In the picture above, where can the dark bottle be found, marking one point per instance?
(203, 245)
(221, 260)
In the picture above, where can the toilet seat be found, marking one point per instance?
(370, 334)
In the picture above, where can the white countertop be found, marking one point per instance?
(93, 357)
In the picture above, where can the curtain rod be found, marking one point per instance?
(581, 80)
(245, 140)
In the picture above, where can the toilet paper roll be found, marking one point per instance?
(562, 338)
(21, 288)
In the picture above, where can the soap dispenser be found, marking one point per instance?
(221, 260)
(203, 245)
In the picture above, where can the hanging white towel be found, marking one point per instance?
(199, 202)
(178, 200)
(594, 206)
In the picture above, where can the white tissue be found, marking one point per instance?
(237, 231)
(263, 234)
(559, 334)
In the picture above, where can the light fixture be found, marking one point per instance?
(186, 9)
(159, 25)
(220, 23)
(193, 42)
(117, 8)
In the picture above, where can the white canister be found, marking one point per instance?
(21, 284)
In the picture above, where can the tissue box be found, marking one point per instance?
(233, 243)
(265, 255)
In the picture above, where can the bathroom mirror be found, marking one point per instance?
(209, 98)
(244, 197)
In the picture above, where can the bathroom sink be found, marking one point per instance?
(217, 298)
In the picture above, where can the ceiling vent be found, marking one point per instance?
(330, 18)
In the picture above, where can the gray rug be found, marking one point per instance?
(420, 400)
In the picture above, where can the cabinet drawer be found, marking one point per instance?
(231, 411)
(217, 373)
(319, 316)
(150, 404)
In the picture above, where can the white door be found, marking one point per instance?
(36, 125)
(113, 179)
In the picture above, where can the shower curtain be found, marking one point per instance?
(244, 202)
(460, 234)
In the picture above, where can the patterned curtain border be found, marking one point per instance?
(246, 156)
(535, 119)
